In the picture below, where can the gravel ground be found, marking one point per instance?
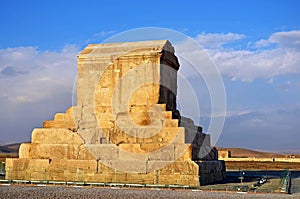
(94, 192)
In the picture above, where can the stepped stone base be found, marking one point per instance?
(125, 127)
(178, 172)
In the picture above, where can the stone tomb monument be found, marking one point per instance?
(125, 127)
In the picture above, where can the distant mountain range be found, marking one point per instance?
(241, 152)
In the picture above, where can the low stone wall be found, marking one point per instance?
(261, 159)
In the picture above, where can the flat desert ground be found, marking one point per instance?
(84, 192)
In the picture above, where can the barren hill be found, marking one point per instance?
(10, 148)
(240, 152)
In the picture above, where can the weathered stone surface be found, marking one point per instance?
(55, 136)
(72, 166)
(63, 120)
(24, 150)
(53, 151)
(146, 152)
(125, 127)
(25, 168)
(131, 166)
(23, 163)
(183, 152)
(103, 151)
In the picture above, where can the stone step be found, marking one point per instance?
(145, 135)
(55, 136)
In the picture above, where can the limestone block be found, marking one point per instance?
(183, 167)
(186, 167)
(146, 152)
(86, 109)
(133, 148)
(150, 147)
(60, 116)
(211, 171)
(88, 117)
(55, 136)
(131, 131)
(183, 152)
(206, 141)
(132, 152)
(54, 151)
(151, 112)
(90, 136)
(24, 168)
(84, 154)
(130, 166)
(117, 136)
(155, 139)
(209, 166)
(160, 166)
(204, 153)
(49, 124)
(25, 163)
(103, 151)
(104, 140)
(193, 134)
(103, 97)
(62, 120)
(104, 116)
(165, 153)
(106, 79)
(73, 166)
(174, 135)
(198, 139)
(136, 178)
(24, 150)
(87, 125)
(103, 109)
(163, 135)
(138, 119)
(121, 177)
(171, 123)
(186, 122)
(67, 124)
(38, 175)
(70, 111)
(143, 94)
(148, 108)
(168, 179)
(148, 139)
(17, 175)
(106, 124)
(107, 178)
(104, 168)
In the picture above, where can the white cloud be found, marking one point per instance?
(265, 61)
(30, 75)
(34, 85)
(289, 39)
(216, 40)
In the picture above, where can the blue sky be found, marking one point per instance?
(255, 45)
